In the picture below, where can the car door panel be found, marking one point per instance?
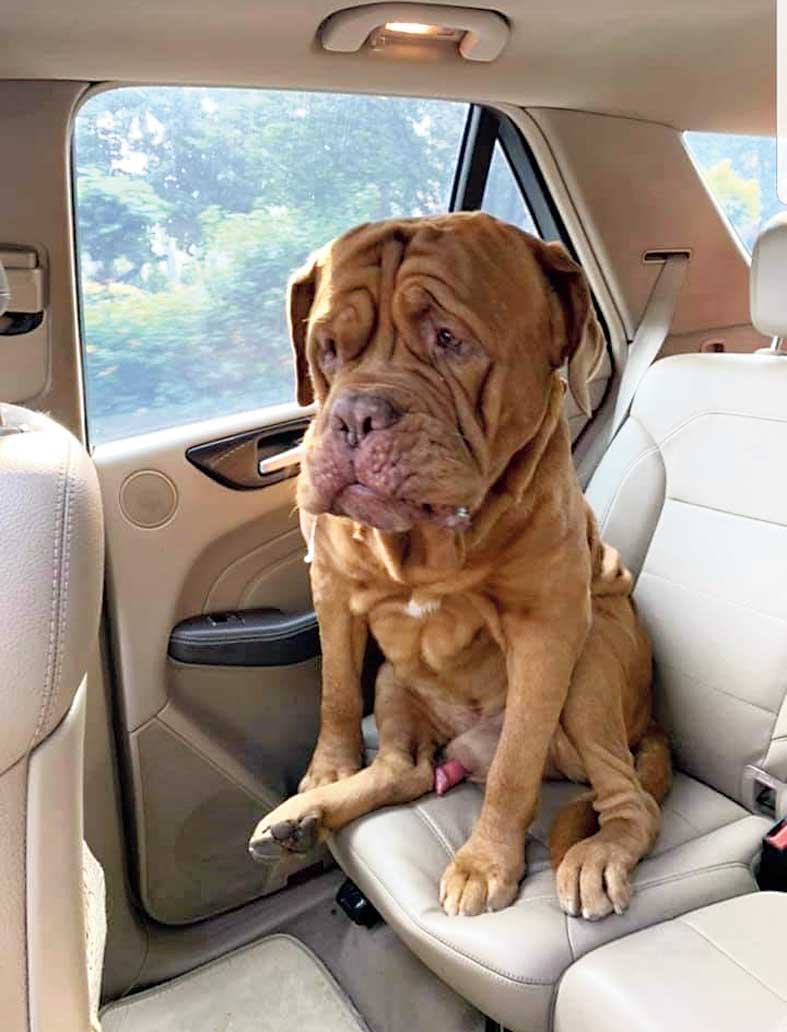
(209, 747)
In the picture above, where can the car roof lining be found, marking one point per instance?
(691, 64)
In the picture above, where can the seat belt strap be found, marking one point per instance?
(651, 333)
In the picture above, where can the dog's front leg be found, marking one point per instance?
(486, 871)
(339, 750)
(401, 771)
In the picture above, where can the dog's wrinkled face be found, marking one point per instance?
(429, 345)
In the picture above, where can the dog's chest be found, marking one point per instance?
(428, 631)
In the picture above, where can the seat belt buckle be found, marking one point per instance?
(764, 793)
(772, 873)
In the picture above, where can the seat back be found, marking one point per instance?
(51, 560)
(693, 491)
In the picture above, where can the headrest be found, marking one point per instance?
(768, 289)
(16, 420)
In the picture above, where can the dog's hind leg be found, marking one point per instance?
(400, 772)
(593, 877)
(573, 822)
(578, 819)
(653, 762)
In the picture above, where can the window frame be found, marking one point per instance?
(484, 128)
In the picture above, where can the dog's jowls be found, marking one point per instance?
(447, 520)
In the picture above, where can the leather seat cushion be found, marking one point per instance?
(508, 963)
(720, 968)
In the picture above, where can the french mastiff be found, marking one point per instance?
(439, 496)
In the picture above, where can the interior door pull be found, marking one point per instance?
(254, 458)
(281, 460)
(249, 637)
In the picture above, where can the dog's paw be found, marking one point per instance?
(329, 765)
(279, 834)
(474, 883)
(593, 879)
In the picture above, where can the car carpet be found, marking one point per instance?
(270, 985)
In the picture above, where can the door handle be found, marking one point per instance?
(280, 460)
(254, 459)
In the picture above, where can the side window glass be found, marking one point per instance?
(502, 194)
(194, 205)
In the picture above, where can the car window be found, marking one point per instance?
(740, 172)
(193, 205)
(502, 195)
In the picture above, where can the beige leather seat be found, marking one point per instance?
(719, 969)
(693, 491)
(51, 557)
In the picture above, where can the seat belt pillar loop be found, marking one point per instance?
(651, 333)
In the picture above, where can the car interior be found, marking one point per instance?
(165, 169)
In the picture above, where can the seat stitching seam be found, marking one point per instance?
(715, 598)
(568, 938)
(658, 517)
(436, 832)
(714, 412)
(707, 684)
(681, 816)
(720, 949)
(703, 834)
(51, 655)
(640, 887)
(727, 512)
(502, 973)
(508, 976)
(653, 449)
(64, 591)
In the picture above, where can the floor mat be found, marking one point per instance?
(273, 985)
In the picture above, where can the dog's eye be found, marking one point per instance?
(447, 341)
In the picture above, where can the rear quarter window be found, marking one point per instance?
(740, 172)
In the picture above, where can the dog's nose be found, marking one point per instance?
(355, 415)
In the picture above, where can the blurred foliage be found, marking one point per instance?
(194, 206)
(740, 198)
(740, 171)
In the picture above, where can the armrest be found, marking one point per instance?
(249, 637)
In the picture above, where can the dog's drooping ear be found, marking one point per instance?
(581, 342)
(300, 298)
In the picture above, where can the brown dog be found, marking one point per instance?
(439, 493)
